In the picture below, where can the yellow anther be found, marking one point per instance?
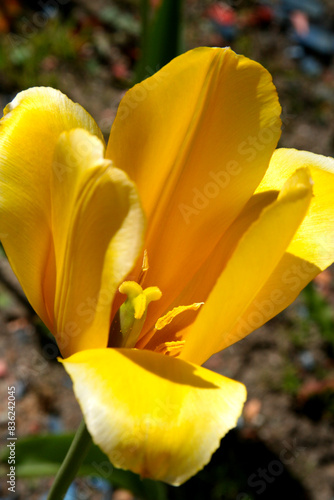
(133, 311)
(171, 348)
(168, 318)
(143, 299)
(131, 289)
(139, 304)
(152, 293)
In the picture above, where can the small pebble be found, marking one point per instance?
(229, 33)
(252, 410)
(303, 311)
(123, 495)
(294, 52)
(3, 368)
(241, 422)
(3, 419)
(311, 66)
(34, 428)
(55, 424)
(22, 336)
(20, 389)
(307, 360)
(100, 484)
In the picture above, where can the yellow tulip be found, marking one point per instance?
(232, 231)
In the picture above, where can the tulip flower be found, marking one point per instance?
(144, 258)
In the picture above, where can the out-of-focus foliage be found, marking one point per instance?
(33, 459)
(26, 60)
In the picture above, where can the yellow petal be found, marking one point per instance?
(312, 248)
(157, 416)
(285, 283)
(314, 240)
(98, 227)
(200, 286)
(28, 134)
(250, 266)
(196, 138)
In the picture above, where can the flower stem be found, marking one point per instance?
(68, 469)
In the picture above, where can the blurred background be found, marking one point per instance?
(284, 442)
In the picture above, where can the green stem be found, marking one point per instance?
(161, 37)
(75, 455)
(145, 15)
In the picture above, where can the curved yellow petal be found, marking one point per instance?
(314, 240)
(196, 138)
(312, 248)
(249, 267)
(28, 135)
(200, 286)
(98, 229)
(287, 280)
(155, 415)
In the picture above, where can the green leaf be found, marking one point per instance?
(40, 456)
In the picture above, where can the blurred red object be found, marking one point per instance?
(324, 282)
(261, 15)
(3, 368)
(300, 22)
(13, 7)
(222, 14)
(252, 410)
(9, 10)
(4, 24)
(120, 71)
(155, 3)
(314, 387)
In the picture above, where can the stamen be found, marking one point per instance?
(168, 318)
(173, 348)
(144, 268)
(132, 312)
(164, 321)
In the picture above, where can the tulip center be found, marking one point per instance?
(130, 318)
(133, 311)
